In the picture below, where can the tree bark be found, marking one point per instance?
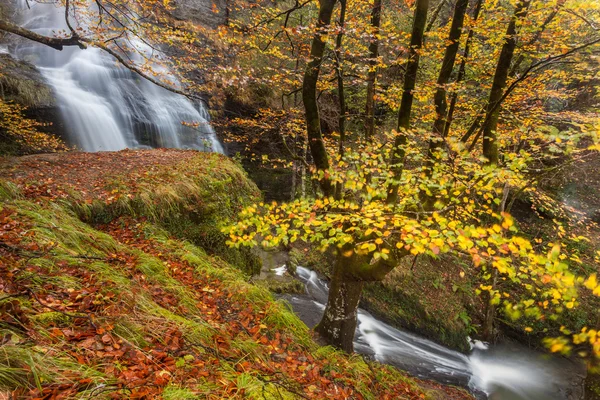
(309, 96)
(350, 272)
(372, 74)
(410, 79)
(339, 318)
(446, 71)
(462, 68)
(490, 125)
(55, 43)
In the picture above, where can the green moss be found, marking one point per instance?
(282, 286)
(51, 318)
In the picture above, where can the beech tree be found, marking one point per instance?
(381, 218)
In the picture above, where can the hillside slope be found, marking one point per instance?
(115, 284)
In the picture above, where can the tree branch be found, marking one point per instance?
(54, 42)
(82, 43)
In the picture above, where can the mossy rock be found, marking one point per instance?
(22, 83)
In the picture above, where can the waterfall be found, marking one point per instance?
(104, 105)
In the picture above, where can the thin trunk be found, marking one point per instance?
(303, 171)
(490, 125)
(309, 96)
(372, 74)
(490, 313)
(537, 36)
(435, 14)
(440, 101)
(462, 68)
(410, 79)
(340, 84)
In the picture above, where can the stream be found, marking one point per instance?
(499, 372)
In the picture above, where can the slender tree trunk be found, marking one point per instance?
(435, 14)
(537, 36)
(490, 312)
(410, 79)
(309, 95)
(490, 125)
(440, 101)
(303, 171)
(372, 74)
(462, 68)
(340, 84)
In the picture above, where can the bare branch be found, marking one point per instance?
(81, 42)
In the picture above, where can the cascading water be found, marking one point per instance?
(498, 373)
(104, 105)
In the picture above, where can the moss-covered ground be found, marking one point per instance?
(116, 284)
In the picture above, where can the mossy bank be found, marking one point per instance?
(117, 284)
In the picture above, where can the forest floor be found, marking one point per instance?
(102, 298)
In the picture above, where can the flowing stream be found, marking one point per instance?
(509, 372)
(105, 106)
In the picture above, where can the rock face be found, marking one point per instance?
(22, 83)
(210, 13)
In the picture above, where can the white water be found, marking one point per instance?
(105, 106)
(499, 373)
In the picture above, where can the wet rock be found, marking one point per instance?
(22, 83)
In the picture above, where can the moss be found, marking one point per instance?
(440, 315)
(23, 84)
(291, 286)
(51, 319)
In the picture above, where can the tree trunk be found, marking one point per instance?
(372, 74)
(435, 14)
(309, 95)
(410, 79)
(340, 84)
(490, 125)
(537, 36)
(462, 68)
(440, 95)
(350, 272)
(339, 319)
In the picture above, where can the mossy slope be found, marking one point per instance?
(109, 295)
